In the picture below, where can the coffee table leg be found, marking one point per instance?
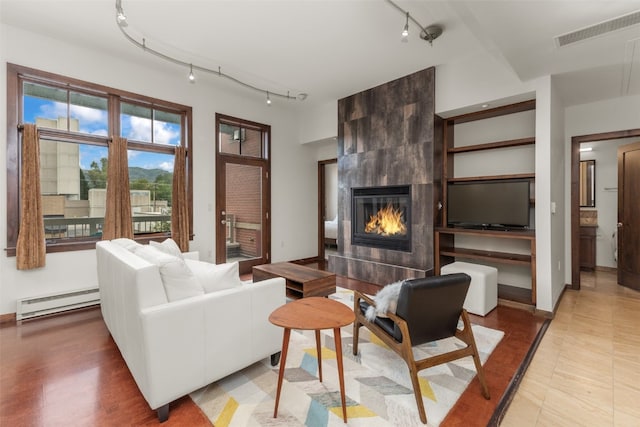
(338, 341)
(283, 362)
(319, 352)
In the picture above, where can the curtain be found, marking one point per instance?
(117, 215)
(31, 247)
(179, 208)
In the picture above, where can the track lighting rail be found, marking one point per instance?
(121, 20)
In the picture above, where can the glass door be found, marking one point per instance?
(242, 194)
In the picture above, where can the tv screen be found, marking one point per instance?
(498, 204)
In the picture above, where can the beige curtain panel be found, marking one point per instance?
(179, 208)
(117, 215)
(31, 246)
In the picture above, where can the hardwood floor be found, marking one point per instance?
(66, 370)
(586, 370)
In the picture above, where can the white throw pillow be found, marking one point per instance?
(386, 300)
(169, 246)
(128, 244)
(178, 280)
(214, 277)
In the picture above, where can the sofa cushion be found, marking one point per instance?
(169, 246)
(214, 277)
(178, 280)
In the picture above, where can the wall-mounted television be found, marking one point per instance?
(495, 204)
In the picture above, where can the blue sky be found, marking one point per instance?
(94, 121)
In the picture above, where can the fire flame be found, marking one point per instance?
(387, 222)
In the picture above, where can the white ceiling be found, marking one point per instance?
(334, 48)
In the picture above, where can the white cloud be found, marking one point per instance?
(86, 114)
(168, 166)
(164, 134)
(140, 128)
(141, 131)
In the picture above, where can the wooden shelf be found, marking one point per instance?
(493, 177)
(493, 112)
(493, 145)
(503, 234)
(500, 257)
(513, 293)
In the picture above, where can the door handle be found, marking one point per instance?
(223, 222)
(619, 225)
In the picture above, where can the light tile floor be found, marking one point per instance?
(586, 371)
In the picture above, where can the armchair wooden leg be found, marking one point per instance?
(413, 373)
(470, 340)
(481, 378)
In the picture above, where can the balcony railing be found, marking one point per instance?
(85, 227)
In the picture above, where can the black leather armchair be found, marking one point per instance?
(428, 310)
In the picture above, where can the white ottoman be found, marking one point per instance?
(482, 296)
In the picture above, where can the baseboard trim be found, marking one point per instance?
(508, 394)
(7, 318)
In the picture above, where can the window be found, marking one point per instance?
(242, 140)
(76, 120)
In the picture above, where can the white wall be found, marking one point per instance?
(319, 123)
(543, 195)
(556, 166)
(294, 170)
(585, 119)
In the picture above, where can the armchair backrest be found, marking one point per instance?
(432, 306)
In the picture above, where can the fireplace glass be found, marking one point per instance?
(381, 217)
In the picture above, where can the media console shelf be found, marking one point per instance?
(446, 252)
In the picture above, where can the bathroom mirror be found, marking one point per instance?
(587, 183)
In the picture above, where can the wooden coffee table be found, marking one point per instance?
(313, 313)
(302, 281)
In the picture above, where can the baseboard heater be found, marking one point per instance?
(29, 308)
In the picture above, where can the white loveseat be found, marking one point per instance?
(173, 348)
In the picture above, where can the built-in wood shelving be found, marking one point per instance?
(445, 237)
(493, 177)
(493, 145)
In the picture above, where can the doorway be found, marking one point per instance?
(327, 207)
(576, 141)
(243, 199)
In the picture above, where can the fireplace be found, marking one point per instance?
(381, 217)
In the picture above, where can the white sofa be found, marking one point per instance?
(173, 348)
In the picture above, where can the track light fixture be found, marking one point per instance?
(428, 34)
(121, 19)
(405, 32)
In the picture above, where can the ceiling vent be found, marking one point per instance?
(599, 29)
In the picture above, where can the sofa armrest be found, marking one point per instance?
(198, 340)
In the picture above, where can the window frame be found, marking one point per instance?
(16, 75)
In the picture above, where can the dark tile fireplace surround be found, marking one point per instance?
(388, 164)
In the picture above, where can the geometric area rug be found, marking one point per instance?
(377, 384)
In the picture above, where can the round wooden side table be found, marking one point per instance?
(313, 313)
